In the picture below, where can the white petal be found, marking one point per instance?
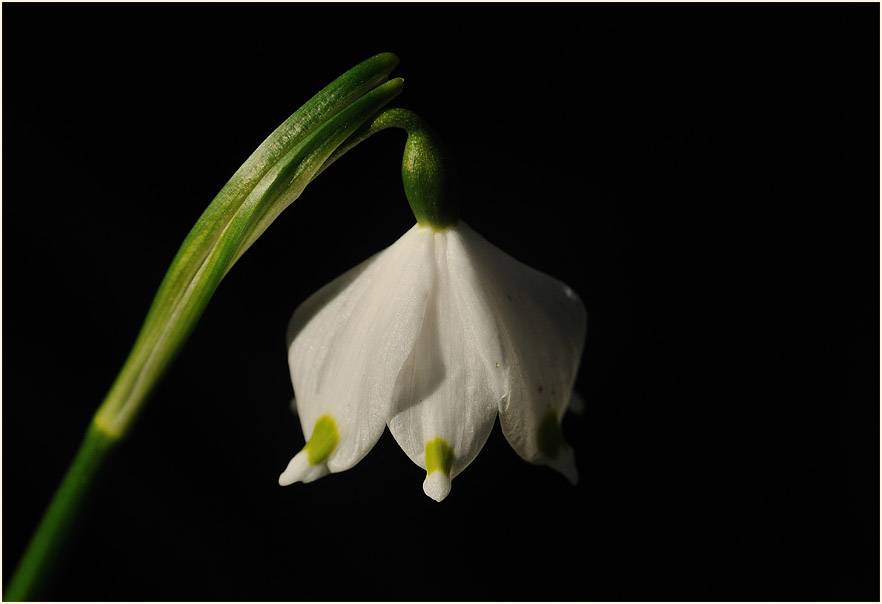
(577, 403)
(446, 392)
(300, 470)
(541, 328)
(348, 342)
(437, 485)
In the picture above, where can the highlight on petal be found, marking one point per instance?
(348, 342)
(447, 389)
(539, 324)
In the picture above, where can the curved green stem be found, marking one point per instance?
(176, 310)
(427, 171)
(345, 113)
(272, 178)
(239, 214)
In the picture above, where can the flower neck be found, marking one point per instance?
(427, 172)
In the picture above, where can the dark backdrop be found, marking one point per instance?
(704, 176)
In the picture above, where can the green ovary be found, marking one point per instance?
(439, 456)
(323, 440)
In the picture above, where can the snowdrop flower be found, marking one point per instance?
(434, 337)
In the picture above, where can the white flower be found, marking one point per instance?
(433, 337)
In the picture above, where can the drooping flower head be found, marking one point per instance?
(434, 337)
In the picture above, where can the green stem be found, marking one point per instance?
(48, 540)
(345, 113)
(272, 178)
(176, 310)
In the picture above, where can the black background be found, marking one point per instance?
(704, 176)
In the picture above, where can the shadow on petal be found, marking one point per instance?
(424, 370)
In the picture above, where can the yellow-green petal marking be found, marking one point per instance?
(323, 441)
(439, 456)
(549, 438)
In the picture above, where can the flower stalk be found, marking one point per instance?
(512, 343)
(35, 567)
(270, 180)
(430, 180)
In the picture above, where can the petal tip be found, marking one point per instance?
(565, 464)
(437, 485)
(300, 470)
(576, 404)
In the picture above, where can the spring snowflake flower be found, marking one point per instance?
(434, 336)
